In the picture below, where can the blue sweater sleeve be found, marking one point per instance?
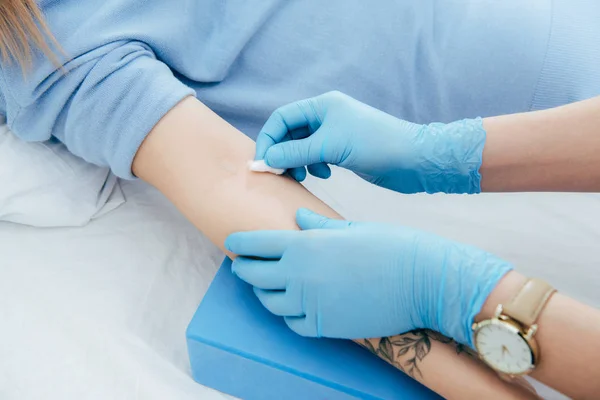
(102, 105)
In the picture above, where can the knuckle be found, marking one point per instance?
(303, 104)
(285, 151)
(278, 113)
(279, 118)
(299, 152)
(335, 94)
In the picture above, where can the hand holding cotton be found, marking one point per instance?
(409, 158)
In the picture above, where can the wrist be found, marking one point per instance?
(468, 290)
(457, 149)
(505, 290)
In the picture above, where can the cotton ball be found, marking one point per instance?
(261, 166)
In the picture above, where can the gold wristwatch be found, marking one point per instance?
(506, 342)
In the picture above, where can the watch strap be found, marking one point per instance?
(529, 302)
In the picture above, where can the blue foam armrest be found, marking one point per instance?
(239, 348)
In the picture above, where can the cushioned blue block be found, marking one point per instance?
(239, 348)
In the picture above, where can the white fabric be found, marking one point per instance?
(100, 312)
(43, 185)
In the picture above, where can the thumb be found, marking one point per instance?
(307, 219)
(295, 153)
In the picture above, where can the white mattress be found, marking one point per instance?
(100, 312)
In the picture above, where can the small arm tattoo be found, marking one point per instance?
(407, 351)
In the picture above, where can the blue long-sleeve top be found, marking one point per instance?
(131, 61)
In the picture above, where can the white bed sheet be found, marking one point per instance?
(100, 312)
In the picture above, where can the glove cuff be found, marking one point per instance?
(457, 156)
(491, 272)
(469, 275)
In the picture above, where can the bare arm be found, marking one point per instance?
(568, 336)
(551, 150)
(199, 162)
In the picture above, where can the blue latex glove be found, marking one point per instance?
(360, 280)
(336, 129)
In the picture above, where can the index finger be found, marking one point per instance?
(261, 244)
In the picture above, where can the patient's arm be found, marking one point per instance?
(548, 150)
(199, 162)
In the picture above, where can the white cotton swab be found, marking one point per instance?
(261, 166)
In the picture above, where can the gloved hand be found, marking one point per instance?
(361, 280)
(336, 129)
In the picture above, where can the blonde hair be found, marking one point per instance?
(22, 28)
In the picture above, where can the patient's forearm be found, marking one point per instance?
(438, 362)
(549, 150)
(199, 162)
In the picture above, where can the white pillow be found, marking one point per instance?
(44, 185)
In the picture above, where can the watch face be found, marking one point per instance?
(501, 346)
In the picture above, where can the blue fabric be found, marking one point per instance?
(425, 61)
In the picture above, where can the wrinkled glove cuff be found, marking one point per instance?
(456, 156)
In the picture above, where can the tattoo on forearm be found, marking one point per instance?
(407, 351)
